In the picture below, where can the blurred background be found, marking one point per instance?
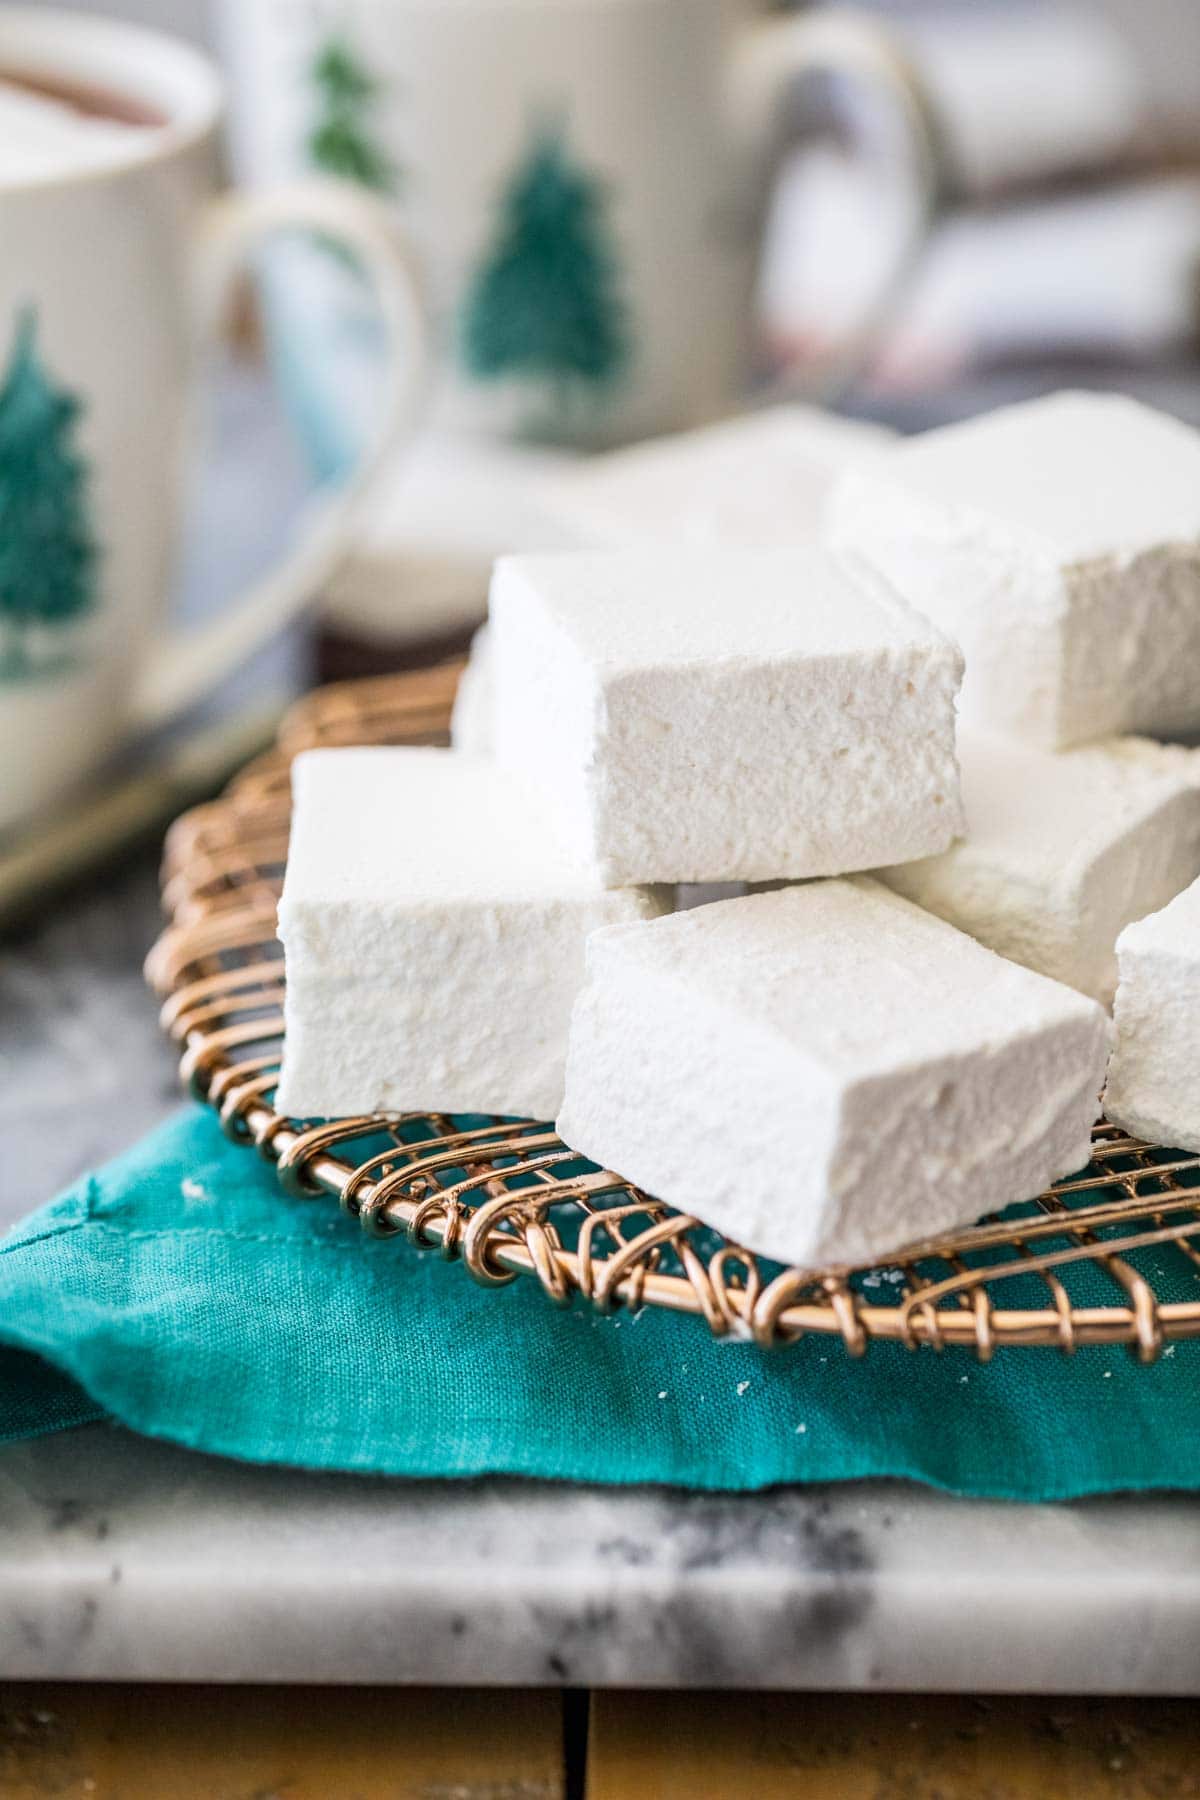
(1069, 225)
(901, 212)
(932, 209)
(1065, 242)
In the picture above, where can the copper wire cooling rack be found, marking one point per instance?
(1112, 1256)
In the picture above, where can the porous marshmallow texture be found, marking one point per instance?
(1154, 1077)
(728, 715)
(433, 928)
(1058, 542)
(826, 1072)
(1063, 851)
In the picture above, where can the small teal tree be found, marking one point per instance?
(47, 550)
(342, 140)
(545, 305)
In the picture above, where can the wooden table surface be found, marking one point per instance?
(252, 1743)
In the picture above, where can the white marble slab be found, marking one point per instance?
(122, 1559)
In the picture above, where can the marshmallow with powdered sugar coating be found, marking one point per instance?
(762, 478)
(1063, 850)
(759, 479)
(471, 716)
(825, 1072)
(433, 927)
(1154, 1077)
(725, 715)
(1058, 542)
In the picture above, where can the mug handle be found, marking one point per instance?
(770, 57)
(189, 663)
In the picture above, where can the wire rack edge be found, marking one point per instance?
(218, 971)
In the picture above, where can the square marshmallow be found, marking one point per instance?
(471, 716)
(1062, 851)
(1059, 543)
(434, 927)
(825, 1072)
(756, 480)
(725, 715)
(1154, 1077)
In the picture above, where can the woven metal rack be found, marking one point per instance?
(1112, 1256)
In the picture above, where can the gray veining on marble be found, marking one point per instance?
(130, 1560)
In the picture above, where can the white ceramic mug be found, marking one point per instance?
(582, 180)
(112, 274)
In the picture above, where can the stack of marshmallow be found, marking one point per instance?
(904, 1027)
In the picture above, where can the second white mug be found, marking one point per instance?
(582, 181)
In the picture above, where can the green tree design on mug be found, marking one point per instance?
(47, 550)
(341, 141)
(545, 302)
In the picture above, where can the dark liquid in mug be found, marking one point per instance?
(90, 101)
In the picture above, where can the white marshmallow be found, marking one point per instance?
(825, 1072)
(43, 138)
(1063, 851)
(1059, 543)
(1154, 1077)
(756, 480)
(471, 714)
(725, 715)
(434, 928)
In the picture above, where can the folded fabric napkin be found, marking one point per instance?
(180, 1292)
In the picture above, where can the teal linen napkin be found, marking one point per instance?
(180, 1292)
